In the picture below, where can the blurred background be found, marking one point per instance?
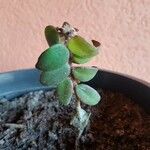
(121, 26)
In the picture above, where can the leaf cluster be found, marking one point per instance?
(56, 69)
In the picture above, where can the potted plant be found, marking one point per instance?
(38, 120)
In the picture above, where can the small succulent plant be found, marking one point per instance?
(65, 48)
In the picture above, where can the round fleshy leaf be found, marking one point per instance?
(80, 60)
(65, 91)
(87, 94)
(54, 77)
(84, 73)
(80, 47)
(51, 35)
(53, 58)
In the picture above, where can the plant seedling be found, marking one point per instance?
(65, 48)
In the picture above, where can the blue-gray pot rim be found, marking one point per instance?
(16, 83)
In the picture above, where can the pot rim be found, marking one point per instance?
(109, 71)
(16, 83)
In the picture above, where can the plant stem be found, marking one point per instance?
(68, 31)
(75, 82)
(78, 105)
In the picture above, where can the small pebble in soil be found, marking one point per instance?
(36, 121)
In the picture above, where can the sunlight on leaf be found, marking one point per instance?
(81, 48)
(84, 73)
(80, 60)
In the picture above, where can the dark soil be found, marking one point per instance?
(36, 121)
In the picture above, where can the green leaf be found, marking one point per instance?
(51, 35)
(56, 76)
(84, 73)
(65, 91)
(80, 60)
(87, 94)
(53, 58)
(80, 47)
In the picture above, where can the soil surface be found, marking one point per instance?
(36, 121)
